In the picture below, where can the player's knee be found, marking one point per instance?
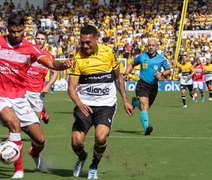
(101, 139)
(39, 140)
(76, 141)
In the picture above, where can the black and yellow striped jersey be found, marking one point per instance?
(96, 77)
(186, 68)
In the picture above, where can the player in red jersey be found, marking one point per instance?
(36, 83)
(16, 56)
(198, 80)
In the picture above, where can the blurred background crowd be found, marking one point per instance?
(123, 25)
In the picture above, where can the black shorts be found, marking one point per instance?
(144, 89)
(184, 87)
(209, 82)
(101, 115)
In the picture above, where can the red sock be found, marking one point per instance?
(18, 164)
(35, 152)
(16, 138)
(43, 111)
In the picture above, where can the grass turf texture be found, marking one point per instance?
(178, 148)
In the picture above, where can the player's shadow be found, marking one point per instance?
(7, 172)
(130, 132)
(64, 112)
(65, 172)
(23, 139)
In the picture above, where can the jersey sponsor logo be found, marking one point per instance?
(98, 91)
(12, 55)
(108, 76)
(7, 70)
(96, 78)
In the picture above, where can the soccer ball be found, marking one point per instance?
(9, 152)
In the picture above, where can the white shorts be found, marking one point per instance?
(197, 84)
(36, 100)
(185, 80)
(22, 109)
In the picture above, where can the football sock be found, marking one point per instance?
(144, 119)
(36, 149)
(136, 104)
(183, 100)
(210, 93)
(16, 138)
(80, 152)
(43, 110)
(98, 152)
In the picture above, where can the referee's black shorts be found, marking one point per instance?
(144, 89)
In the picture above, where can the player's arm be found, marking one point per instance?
(121, 88)
(50, 82)
(72, 92)
(128, 70)
(54, 65)
(192, 70)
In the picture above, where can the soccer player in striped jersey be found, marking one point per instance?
(151, 65)
(93, 83)
(186, 72)
(208, 76)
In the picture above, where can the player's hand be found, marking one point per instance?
(67, 63)
(86, 110)
(126, 77)
(159, 75)
(128, 108)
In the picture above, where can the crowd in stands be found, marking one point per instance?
(125, 26)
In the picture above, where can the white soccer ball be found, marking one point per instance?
(9, 152)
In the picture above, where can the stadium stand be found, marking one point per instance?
(123, 25)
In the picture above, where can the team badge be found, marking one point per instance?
(144, 66)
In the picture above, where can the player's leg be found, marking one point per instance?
(200, 86)
(100, 145)
(142, 91)
(183, 95)
(209, 86)
(144, 117)
(36, 134)
(195, 88)
(36, 101)
(11, 121)
(80, 127)
(30, 125)
(44, 116)
(136, 102)
(102, 118)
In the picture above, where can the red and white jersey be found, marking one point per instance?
(36, 75)
(198, 75)
(14, 64)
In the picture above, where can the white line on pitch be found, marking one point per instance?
(144, 137)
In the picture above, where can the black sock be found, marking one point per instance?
(80, 152)
(98, 152)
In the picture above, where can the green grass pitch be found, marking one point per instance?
(179, 147)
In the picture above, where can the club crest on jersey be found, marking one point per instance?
(155, 67)
(144, 66)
